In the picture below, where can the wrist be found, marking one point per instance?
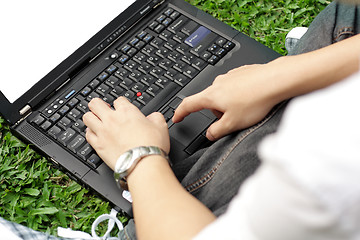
(129, 160)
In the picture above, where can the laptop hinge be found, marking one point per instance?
(24, 112)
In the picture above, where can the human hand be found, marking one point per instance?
(239, 99)
(113, 132)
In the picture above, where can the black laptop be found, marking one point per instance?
(154, 52)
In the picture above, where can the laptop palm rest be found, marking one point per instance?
(192, 126)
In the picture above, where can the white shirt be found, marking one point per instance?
(308, 186)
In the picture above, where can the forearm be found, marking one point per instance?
(162, 207)
(311, 71)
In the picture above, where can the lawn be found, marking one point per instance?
(37, 195)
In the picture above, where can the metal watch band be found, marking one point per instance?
(128, 161)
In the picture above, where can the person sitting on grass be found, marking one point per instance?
(306, 185)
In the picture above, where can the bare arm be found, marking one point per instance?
(162, 207)
(245, 95)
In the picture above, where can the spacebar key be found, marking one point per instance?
(161, 98)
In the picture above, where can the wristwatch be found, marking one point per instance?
(127, 162)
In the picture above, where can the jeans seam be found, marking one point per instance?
(344, 31)
(205, 179)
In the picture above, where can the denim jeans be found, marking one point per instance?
(215, 174)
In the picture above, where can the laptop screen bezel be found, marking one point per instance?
(60, 74)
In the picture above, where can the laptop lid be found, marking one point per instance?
(55, 42)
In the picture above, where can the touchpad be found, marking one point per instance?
(187, 130)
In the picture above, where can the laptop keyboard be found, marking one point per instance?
(149, 69)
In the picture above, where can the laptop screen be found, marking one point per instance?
(38, 35)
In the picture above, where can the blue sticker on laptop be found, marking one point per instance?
(194, 39)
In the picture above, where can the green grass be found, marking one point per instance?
(35, 194)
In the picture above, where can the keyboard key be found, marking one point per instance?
(147, 80)
(72, 103)
(165, 35)
(174, 56)
(64, 123)
(103, 76)
(148, 38)
(145, 67)
(108, 99)
(229, 45)
(157, 42)
(206, 55)
(54, 118)
(131, 65)
(137, 104)
(92, 96)
(161, 18)
(139, 57)
(182, 48)
(37, 120)
(167, 22)
(181, 80)
(94, 83)
(153, 90)
(138, 87)
(179, 37)
(190, 72)
(66, 136)
(177, 24)
(153, 59)
(112, 81)
(162, 82)
(165, 64)
(85, 91)
(142, 34)
(148, 50)
(199, 64)
(85, 151)
(83, 106)
(74, 114)
(189, 28)
(76, 143)
(79, 126)
(132, 52)
(221, 41)
(213, 48)
(159, 28)
(188, 58)
(213, 59)
(117, 91)
(103, 89)
(123, 59)
(134, 41)
(126, 83)
(129, 95)
(144, 98)
(168, 12)
(125, 48)
(171, 73)
(94, 161)
(54, 131)
(157, 72)
(180, 66)
(153, 25)
(111, 69)
(174, 15)
(135, 76)
(45, 125)
(122, 73)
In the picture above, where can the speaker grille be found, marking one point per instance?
(34, 135)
